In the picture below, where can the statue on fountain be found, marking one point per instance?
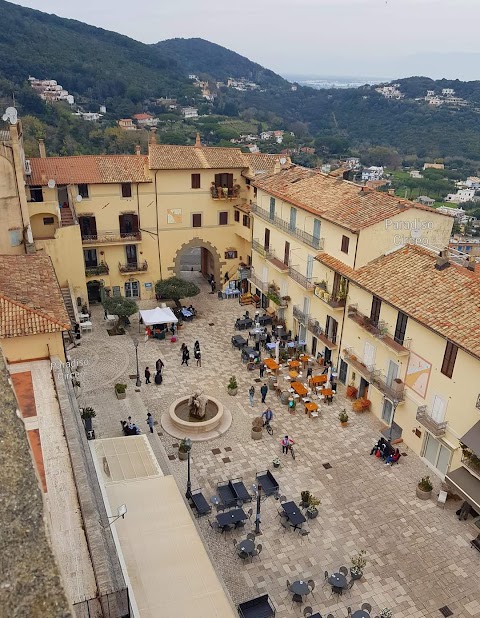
(197, 405)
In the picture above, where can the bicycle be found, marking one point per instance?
(268, 427)
(292, 452)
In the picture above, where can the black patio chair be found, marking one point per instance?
(367, 607)
(350, 586)
(311, 585)
(325, 579)
(343, 570)
(307, 612)
(297, 598)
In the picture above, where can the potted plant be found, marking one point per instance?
(286, 298)
(323, 285)
(305, 499)
(312, 510)
(424, 488)
(184, 448)
(352, 391)
(232, 386)
(257, 428)
(87, 415)
(359, 562)
(343, 418)
(397, 385)
(385, 613)
(120, 390)
(276, 462)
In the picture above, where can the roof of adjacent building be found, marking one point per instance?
(447, 301)
(265, 164)
(143, 116)
(340, 201)
(88, 169)
(31, 302)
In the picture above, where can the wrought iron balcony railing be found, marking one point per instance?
(379, 331)
(107, 237)
(300, 279)
(435, 427)
(133, 267)
(300, 315)
(394, 391)
(100, 269)
(308, 239)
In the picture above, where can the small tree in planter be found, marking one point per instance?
(87, 415)
(121, 307)
(424, 488)
(257, 428)
(184, 448)
(232, 386)
(276, 462)
(312, 510)
(305, 499)
(120, 391)
(343, 418)
(386, 613)
(359, 562)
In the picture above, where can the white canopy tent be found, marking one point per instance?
(160, 315)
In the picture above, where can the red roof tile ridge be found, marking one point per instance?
(35, 311)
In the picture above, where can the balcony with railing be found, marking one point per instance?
(95, 271)
(256, 281)
(302, 235)
(132, 267)
(356, 361)
(330, 341)
(259, 248)
(224, 193)
(392, 390)
(379, 331)
(472, 463)
(277, 263)
(111, 237)
(425, 418)
(300, 315)
(334, 302)
(305, 282)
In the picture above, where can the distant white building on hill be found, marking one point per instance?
(49, 90)
(461, 196)
(372, 173)
(190, 112)
(390, 92)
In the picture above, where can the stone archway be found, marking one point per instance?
(195, 243)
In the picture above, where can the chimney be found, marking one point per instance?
(471, 263)
(138, 151)
(443, 261)
(198, 143)
(41, 148)
(391, 192)
(152, 135)
(402, 205)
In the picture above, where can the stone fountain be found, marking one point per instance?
(197, 416)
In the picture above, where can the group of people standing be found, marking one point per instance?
(384, 450)
(159, 365)
(263, 393)
(196, 354)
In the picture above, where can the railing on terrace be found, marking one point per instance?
(356, 361)
(300, 279)
(133, 267)
(309, 239)
(379, 331)
(257, 282)
(100, 269)
(101, 237)
(394, 391)
(314, 327)
(435, 427)
(259, 248)
(335, 302)
(300, 315)
(218, 193)
(472, 463)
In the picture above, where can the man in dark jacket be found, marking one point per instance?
(264, 391)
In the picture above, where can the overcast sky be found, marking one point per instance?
(377, 38)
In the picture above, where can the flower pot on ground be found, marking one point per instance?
(312, 510)
(276, 462)
(385, 613)
(257, 428)
(184, 448)
(343, 418)
(424, 488)
(359, 562)
(305, 499)
(120, 391)
(87, 414)
(232, 386)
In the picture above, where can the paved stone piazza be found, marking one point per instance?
(419, 555)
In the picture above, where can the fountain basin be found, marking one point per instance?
(178, 423)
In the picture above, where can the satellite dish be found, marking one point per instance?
(11, 115)
(79, 198)
(283, 161)
(51, 184)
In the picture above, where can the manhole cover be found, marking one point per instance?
(216, 451)
(228, 449)
(327, 466)
(227, 460)
(446, 611)
(171, 457)
(174, 445)
(211, 323)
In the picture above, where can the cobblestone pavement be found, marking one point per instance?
(419, 556)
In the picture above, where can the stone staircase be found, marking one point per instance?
(66, 217)
(68, 304)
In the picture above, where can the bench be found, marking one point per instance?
(226, 494)
(240, 490)
(261, 607)
(268, 483)
(201, 505)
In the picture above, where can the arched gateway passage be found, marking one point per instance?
(201, 256)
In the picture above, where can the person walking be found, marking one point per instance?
(262, 369)
(198, 357)
(196, 346)
(158, 378)
(213, 286)
(251, 394)
(264, 391)
(159, 365)
(150, 421)
(147, 375)
(185, 356)
(286, 444)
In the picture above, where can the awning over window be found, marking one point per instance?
(467, 485)
(472, 438)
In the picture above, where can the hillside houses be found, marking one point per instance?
(390, 92)
(49, 90)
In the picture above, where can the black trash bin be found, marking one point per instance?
(220, 295)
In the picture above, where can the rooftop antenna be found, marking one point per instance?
(121, 512)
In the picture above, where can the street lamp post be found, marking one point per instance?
(395, 403)
(257, 516)
(188, 446)
(138, 383)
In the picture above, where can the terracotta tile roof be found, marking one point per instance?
(89, 169)
(142, 116)
(263, 164)
(342, 202)
(30, 298)
(167, 157)
(447, 301)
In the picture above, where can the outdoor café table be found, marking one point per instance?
(232, 292)
(299, 388)
(360, 613)
(294, 514)
(271, 364)
(238, 341)
(316, 380)
(310, 407)
(299, 587)
(247, 546)
(338, 580)
(270, 346)
(327, 393)
(293, 374)
(231, 517)
(304, 359)
(294, 364)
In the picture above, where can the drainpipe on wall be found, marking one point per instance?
(346, 307)
(158, 229)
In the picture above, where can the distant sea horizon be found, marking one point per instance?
(321, 82)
